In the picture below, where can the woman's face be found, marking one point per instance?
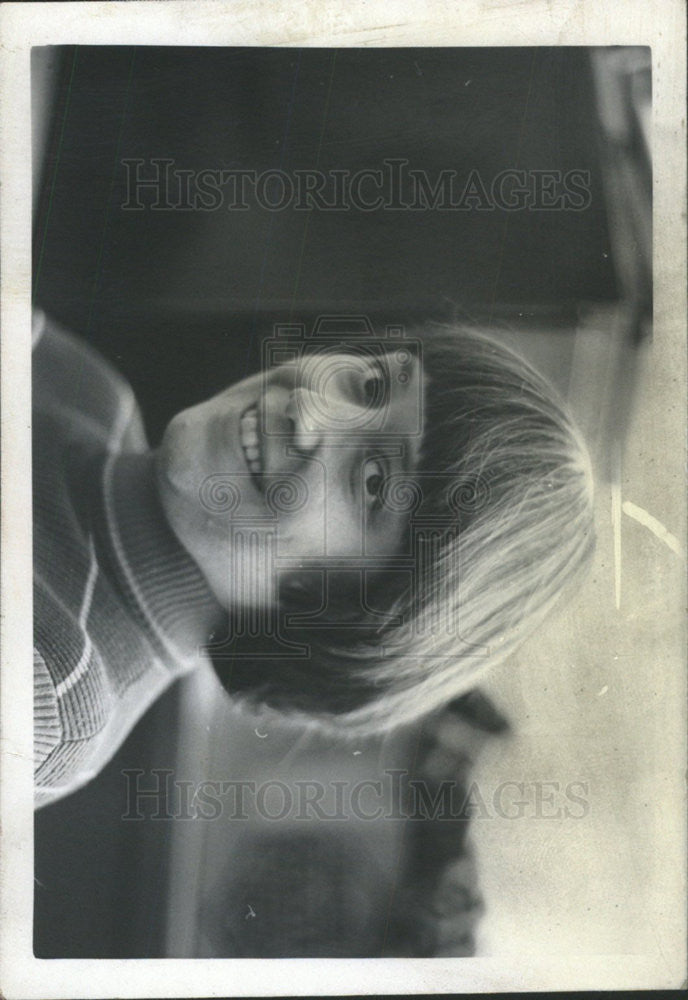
(284, 469)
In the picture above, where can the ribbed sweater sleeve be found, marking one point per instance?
(47, 730)
(116, 601)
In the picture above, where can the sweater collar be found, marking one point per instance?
(155, 571)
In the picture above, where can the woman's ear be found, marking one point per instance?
(301, 587)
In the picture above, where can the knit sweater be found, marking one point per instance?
(117, 600)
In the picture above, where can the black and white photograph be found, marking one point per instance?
(353, 506)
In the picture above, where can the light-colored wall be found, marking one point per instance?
(596, 697)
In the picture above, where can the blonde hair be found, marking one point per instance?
(503, 528)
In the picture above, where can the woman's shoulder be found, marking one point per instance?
(70, 378)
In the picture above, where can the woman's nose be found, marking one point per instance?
(316, 416)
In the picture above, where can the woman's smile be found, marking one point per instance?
(249, 435)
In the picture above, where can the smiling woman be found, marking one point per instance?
(369, 530)
(335, 426)
(470, 523)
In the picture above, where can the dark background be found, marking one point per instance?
(177, 300)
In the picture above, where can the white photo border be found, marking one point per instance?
(375, 23)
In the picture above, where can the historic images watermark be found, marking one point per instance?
(161, 185)
(159, 795)
(379, 369)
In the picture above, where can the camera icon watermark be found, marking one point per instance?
(335, 441)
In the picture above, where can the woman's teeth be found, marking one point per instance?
(250, 443)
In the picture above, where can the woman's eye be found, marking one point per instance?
(374, 388)
(374, 475)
